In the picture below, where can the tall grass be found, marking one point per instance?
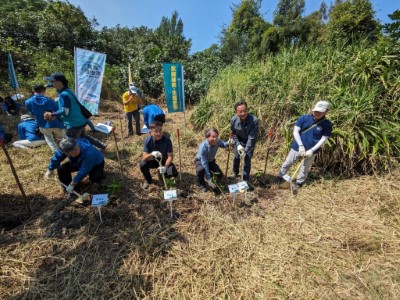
(361, 81)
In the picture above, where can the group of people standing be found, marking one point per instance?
(64, 119)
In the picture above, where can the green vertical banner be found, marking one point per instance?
(174, 87)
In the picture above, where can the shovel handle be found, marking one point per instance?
(74, 192)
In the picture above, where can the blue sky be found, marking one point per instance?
(202, 19)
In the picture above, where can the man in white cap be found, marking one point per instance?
(29, 134)
(131, 100)
(310, 133)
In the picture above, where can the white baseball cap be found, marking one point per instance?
(321, 106)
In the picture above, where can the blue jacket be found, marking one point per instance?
(88, 157)
(149, 112)
(28, 130)
(38, 105)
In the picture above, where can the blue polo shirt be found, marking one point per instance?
(206, 154)
(311, 137)
(164, 145)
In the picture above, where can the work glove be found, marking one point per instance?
(309, 153)
(241, 151)
(162, 169)
(49, 174)
(231, 142)
(9, 115)
(211, 184)
(156, 154)
(302, 151)
(69, 188)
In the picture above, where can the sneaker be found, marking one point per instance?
(203, 188)
(278, 180)
(297, 186)
(145, 185)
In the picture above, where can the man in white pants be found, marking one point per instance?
(28, 132)
(310, 133)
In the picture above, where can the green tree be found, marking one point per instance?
(244, 35)
(393, 29)
(351, 21)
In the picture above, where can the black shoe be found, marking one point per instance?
(203, 188)
(297, 186)
(278, 180)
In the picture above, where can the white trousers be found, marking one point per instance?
(25, 144)
(291, 159)
(49, 134)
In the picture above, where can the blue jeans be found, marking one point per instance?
(247, 163)
(136, 115)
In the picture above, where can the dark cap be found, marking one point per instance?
(55, 76)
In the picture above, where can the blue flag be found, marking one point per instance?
(174, 87)
(89, 74)
(11, 72)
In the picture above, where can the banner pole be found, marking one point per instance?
(179, 152)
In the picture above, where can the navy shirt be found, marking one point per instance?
(245, 133)
(164, 145)
(311, 137)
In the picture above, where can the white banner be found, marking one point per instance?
(89, 73)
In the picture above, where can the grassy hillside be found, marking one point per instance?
(335, 239)
(361, 82)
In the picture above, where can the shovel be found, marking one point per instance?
(80, 197)
(290, 180)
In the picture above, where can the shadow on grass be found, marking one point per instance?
(101, 260)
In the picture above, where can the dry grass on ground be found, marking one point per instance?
(337, 239)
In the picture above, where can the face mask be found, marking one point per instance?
(50, 84)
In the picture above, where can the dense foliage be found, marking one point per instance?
(339, 52)
(361, 81)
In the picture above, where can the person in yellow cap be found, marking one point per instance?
(131, 101)
(310, 132)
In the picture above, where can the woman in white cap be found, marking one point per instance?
(29, 134)
(310, 133)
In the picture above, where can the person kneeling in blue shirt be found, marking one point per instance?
(29, 134)
(310, 133)
(83, 158)
(205, 159)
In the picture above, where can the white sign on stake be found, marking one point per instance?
(170, 195)
(98, 201)
(243, 187)
(233, 188)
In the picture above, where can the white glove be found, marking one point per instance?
(9, 115)
(211, 184)
(156, 154)
(241, 151)
(231, 142)
(49, 174)
(309, 153)
(302, 151)
(163, 169)
(69, 188)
